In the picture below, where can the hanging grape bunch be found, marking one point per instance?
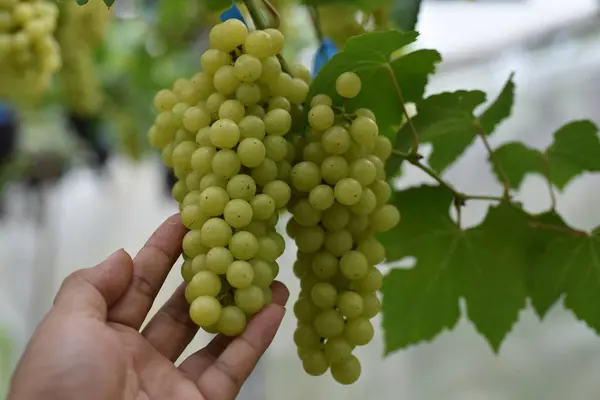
(341, 205)
(223, 133)
(29, 54)
(228, 134)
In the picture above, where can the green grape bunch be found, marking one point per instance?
(233, 136)
(29, 54)
(340, 204)
(223, 132)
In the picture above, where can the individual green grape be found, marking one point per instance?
(314, 362)
(263, 274)
(252, 126)
(371, 282)
(259, 44)
(240, 274)
(192, 243)
(363, 170)
(281, 85)
(334, 168)
(379, 165)
(182, 155)
(364, 130)
(230, 111)
(298, 91)
(211, 179)
(305, 214)
(213, 59)
(252, 152)
(365, 112)
(215, 233)
(271, 69)
(265, 172)
(323, 295)
(350, 304)
(284, 169)
(383, 148)
(213, 201)
(250, 300)
(279, 102)
(214, 101)
(247, 68)
(243, 245)
(192, 217)
(226, 163)
(348, 191)
(278, 122)
(279, 241)
(367, 203)
(321, 197)
(193, 197)
(321, 117)
(338, 242)
(256, 110)
(354, 265)
(199, 264)
(329, 323)
(310, 239)
(279, 191)
(179, 191)
(346, 372)
(371, 305)
(205, 311)
(314, 152)
(228, 35)
(338, 350)
(321, 99)
(268, 249)
(305, 176)
(277, 39)
(301, 72)
(225, 133)
(348, 85)
(248, 93)
(372, 249)
(336, 140)
(192, 180)
(232, 321)
(164, 100)
(225, 80)
(324, 265)
(257, 228)
(204, 283)
(238, 213)
(276, 147)
(218, 260)
(263, 206)
(336, 217)
(305, 311)
(359, 331)
(382, 191)
(385, 218)
(186, 271)
(241, 187)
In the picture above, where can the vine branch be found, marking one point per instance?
(415, 136)
(494, 159)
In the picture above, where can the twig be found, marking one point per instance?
(570, 231)
(494, 159)
(415, 135)
(546, 168)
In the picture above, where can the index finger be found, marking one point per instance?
(150, 269)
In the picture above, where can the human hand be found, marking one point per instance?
(89, 345)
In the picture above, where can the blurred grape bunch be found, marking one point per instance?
(29, 54)
(81, 29)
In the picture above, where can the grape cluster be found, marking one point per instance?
(29, 54)
(80, 30)
(222, 132)
(339, 204)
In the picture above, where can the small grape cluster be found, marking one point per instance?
(29, 54)
(339, 204)
(223, 133)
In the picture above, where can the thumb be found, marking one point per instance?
(94, 290)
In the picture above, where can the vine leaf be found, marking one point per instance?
(574, 151)
(370, 56)
(500, 109)
(486, 265)
(445, 120)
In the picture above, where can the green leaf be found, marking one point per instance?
(487, 265)
(517, 160)
(216, 5)
(369, 56)
(575, 150)
(570, 266)
(500, 109)
(405, 13)
(82, 2)
(108, 3)
(446, 121)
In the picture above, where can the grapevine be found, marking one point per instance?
(29, 54)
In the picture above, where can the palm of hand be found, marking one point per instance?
(89, 346)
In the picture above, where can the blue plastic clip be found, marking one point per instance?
(326, 50)
(232, 13)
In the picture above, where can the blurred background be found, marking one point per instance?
(75, 185)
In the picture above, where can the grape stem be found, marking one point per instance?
(414, 135)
